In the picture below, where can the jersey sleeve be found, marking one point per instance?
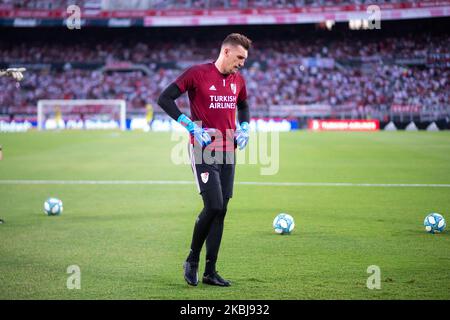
(186, 80)
(243, 92)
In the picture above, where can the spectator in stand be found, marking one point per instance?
(190, 4)
(277, 70)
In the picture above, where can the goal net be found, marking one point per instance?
(81, 114)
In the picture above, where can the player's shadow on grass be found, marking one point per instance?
(275, 235)
(180, 283)
(423, 233)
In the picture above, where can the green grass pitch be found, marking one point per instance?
(130, 240)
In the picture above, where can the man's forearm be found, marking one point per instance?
(167, 101)
(243, 112)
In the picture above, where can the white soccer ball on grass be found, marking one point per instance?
(283, 223)
(53, 207)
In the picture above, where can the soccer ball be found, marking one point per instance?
(283, 223)
(434, 223)
(53, 207)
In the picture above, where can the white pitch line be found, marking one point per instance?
(345, 184)
(253, 183)
(87, 182)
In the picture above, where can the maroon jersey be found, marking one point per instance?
(213, 98)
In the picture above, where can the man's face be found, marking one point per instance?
(235, 57)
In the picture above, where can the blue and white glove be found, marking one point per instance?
(242, 135)
(199, 133)
(15, 73)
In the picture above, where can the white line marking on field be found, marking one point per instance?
(253, 183)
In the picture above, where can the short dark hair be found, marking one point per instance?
(238, 39)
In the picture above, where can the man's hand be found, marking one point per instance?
(16, 73)
(242, 135)
(199, 133)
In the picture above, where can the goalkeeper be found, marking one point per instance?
(15, 73)
(216, 90)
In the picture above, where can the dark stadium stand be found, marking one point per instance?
(363, 77)
(191, 4)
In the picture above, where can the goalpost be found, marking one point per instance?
(81, 114)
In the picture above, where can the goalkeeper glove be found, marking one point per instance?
(242, 135)
(197, 132)
(16, 73)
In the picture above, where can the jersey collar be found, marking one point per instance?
(217, 70)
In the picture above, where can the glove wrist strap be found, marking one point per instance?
(186, 122)
(244, 126)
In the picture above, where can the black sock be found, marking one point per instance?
(193, 257)
(214, 239)
(210, 267)
(200, 233)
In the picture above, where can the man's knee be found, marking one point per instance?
(220, 210)
(225, 207)
(215, 211)
(215, 205)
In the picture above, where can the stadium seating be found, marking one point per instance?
(187, 4)
(365, 77)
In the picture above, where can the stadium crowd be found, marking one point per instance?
(186, 4)
(348, 74)
(138, 51)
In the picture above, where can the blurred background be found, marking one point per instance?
(359, 199)
(311, 60)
